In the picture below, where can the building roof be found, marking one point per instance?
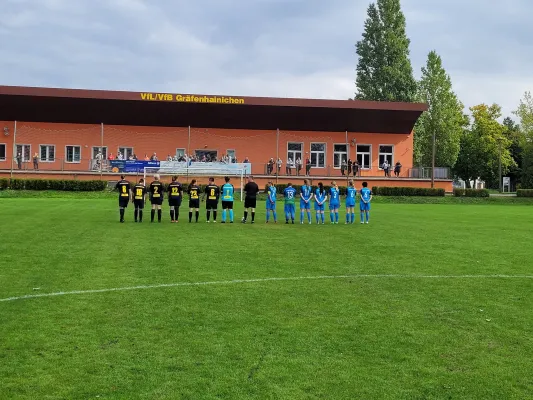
(32, 104)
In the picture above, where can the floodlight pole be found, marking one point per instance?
(102, 148)
(188, 158)
(433, 163)
(347, 154)
(500, 164)
(14, 148)
(277, 154)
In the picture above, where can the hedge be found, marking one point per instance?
(471, 193)
(407, 191)
(524, 193)
(53, 184)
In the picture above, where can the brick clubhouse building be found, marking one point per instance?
(64, 130)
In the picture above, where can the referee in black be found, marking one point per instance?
(251, 189)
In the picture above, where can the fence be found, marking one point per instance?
(425, 173)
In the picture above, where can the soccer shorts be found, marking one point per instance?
(270, 206)
(156, 201)
(195, 203)
(289, 209)
(334, 206)
(319, 207)
(227, 205)
(211, 205)
(364, 206)
(304, 205)
(138, 204)
(123, 202)
(250, 202)
(174, 202)
(350, 204)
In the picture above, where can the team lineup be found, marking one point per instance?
(139, 194)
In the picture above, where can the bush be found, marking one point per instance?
(520, 193)
(407, 191)
(53, 184)
(471, 193)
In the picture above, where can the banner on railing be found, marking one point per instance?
(132, 165)
(181, 166)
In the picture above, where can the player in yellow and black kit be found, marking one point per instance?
(156, 197)
(175, 194)
(212, 192)
(194, 199)
(124, 195)
(139, 197)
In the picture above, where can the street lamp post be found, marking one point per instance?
(500, 163)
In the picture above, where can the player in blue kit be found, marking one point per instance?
(227, 191)
(271, 203)
(334, 203)
(351, 194)
(364, 203)
(320, 199)
(306, 195)
(289, 193)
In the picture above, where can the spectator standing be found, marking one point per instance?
(386, 167)
(307, 166)
(270, 166)
(298, 166)
(99, 158)
(288, 166)
(344, 166)
(397, 169)
(355, 168)
(350, 164)
(19, 160)
(36, 162)
(280, 163)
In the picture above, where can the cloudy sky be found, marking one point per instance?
(281, 48)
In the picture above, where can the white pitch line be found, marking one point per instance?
(295, 278)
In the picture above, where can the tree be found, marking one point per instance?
(525, 113)
(516, 136)
(384, 71)
(481, 145)
(444, 118)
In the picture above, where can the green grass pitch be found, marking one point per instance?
(417, 318)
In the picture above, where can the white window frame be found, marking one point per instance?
(73, 158)
(180, 151)
(24, 159)
(5, 152)
(391, 163)
(47, 159)
(104, 155)
(357, 152)
(341, 153)
(311, 152)
(124, 156)
(292, 153)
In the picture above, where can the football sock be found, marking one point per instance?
(309, 218)
(172, 215)
(317, 217)
(348, 216)
(197, 215)
(322, 217)
(140, 215)
(176, 213)
(253, 216)
(224, 215)
(268, 216)
(245, 215)
(367, 216)
(122, 214)
(331, 217)
(152, 215)
(159, 215)
(301, 216)
(190, 216)
(215, 215)
(336, 216)
(275, 216)
(231, 215)
(208, 215)
(362, 216)
(135, 214)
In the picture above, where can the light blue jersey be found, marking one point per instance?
(351, 193)
(305, 197)
(334, 200)
(271, 200)
(227, 192)
(320, 198)
(364, 203)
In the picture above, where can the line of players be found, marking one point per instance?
(139, 193)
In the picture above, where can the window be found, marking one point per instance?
(385, 153)
(2, 152)
(340, 153)
(25, 150)
(73, 154)
(364, 156)
(47, 152)
(206, 155)
(180, 153)
(126, 152)
(294, 151)
(318, 155)
(97, 149)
